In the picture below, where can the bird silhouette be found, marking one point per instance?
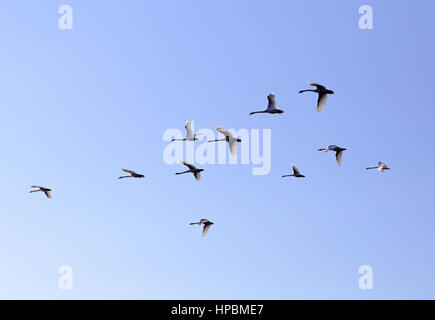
(132, 174)
(338, 152)
(295, 174)
(190, 136)
(381, 167)
(47, 191)
(232, 141)
(207, 224)
(271, 107)
(323, 94)
(192, 169)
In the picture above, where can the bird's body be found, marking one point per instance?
(295, 174)
(338, 152)
(47, 191)
(190, 136)
(207, 224)
(232, 141)
(323, 94)
(271, 107)
(132, 174)
(192, 169)
(381, 167)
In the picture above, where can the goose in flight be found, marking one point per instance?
(271, 107)
(192, 169)
(207, 224)
(190, 136)
(338, 152)
(296, 173)
(132, 174)
(323, 94)
(380, 167)
(42, 189)
(228, 138)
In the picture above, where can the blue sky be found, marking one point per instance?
(77, 105)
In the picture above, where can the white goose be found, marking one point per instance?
(207, 224)
(190, 136)
(47, 191)
(323, 94)
(232, 141)
(381, 167)
(271, 107)
(296, 173)
(338, 152)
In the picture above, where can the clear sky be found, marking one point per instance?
(77, 105)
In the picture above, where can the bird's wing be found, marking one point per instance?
(129, 171)
(205, 230)
(197, 175)
(202, 221)
(190, 166)
(295, 169)
(188, 126)
(48, 194)
(321, 102)
(339, 157)
(226, 133)
(272, 101)
(318, 86)
(233, 147)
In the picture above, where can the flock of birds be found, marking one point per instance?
(232, 141)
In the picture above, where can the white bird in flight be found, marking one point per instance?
(232, 141)
(132, 174)
(271, 107)
(338, 152)
(381, 167)
(192, 169)
(47, 191)
(190, 136)
(207, 224)
(323, 94)
(296, 173)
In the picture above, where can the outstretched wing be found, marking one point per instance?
(197, 175)
(128, 171)
(295, 170)
(339, 157)
(205, 230)
(48, 194)
(272, 101)
(233, 147)
(188, 126)
(225, 132)
(321, 102)
(318, 86)
(190, 166)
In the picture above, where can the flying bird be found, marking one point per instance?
(271, 107)
(296, 173)
(323, 94)
(42, 189)
(190, 136)
(132, 174)
(207, 224)
(232, 142)
(380, 167)
(338, 152)
(192, 169)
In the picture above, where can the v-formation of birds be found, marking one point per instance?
(232, 141)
